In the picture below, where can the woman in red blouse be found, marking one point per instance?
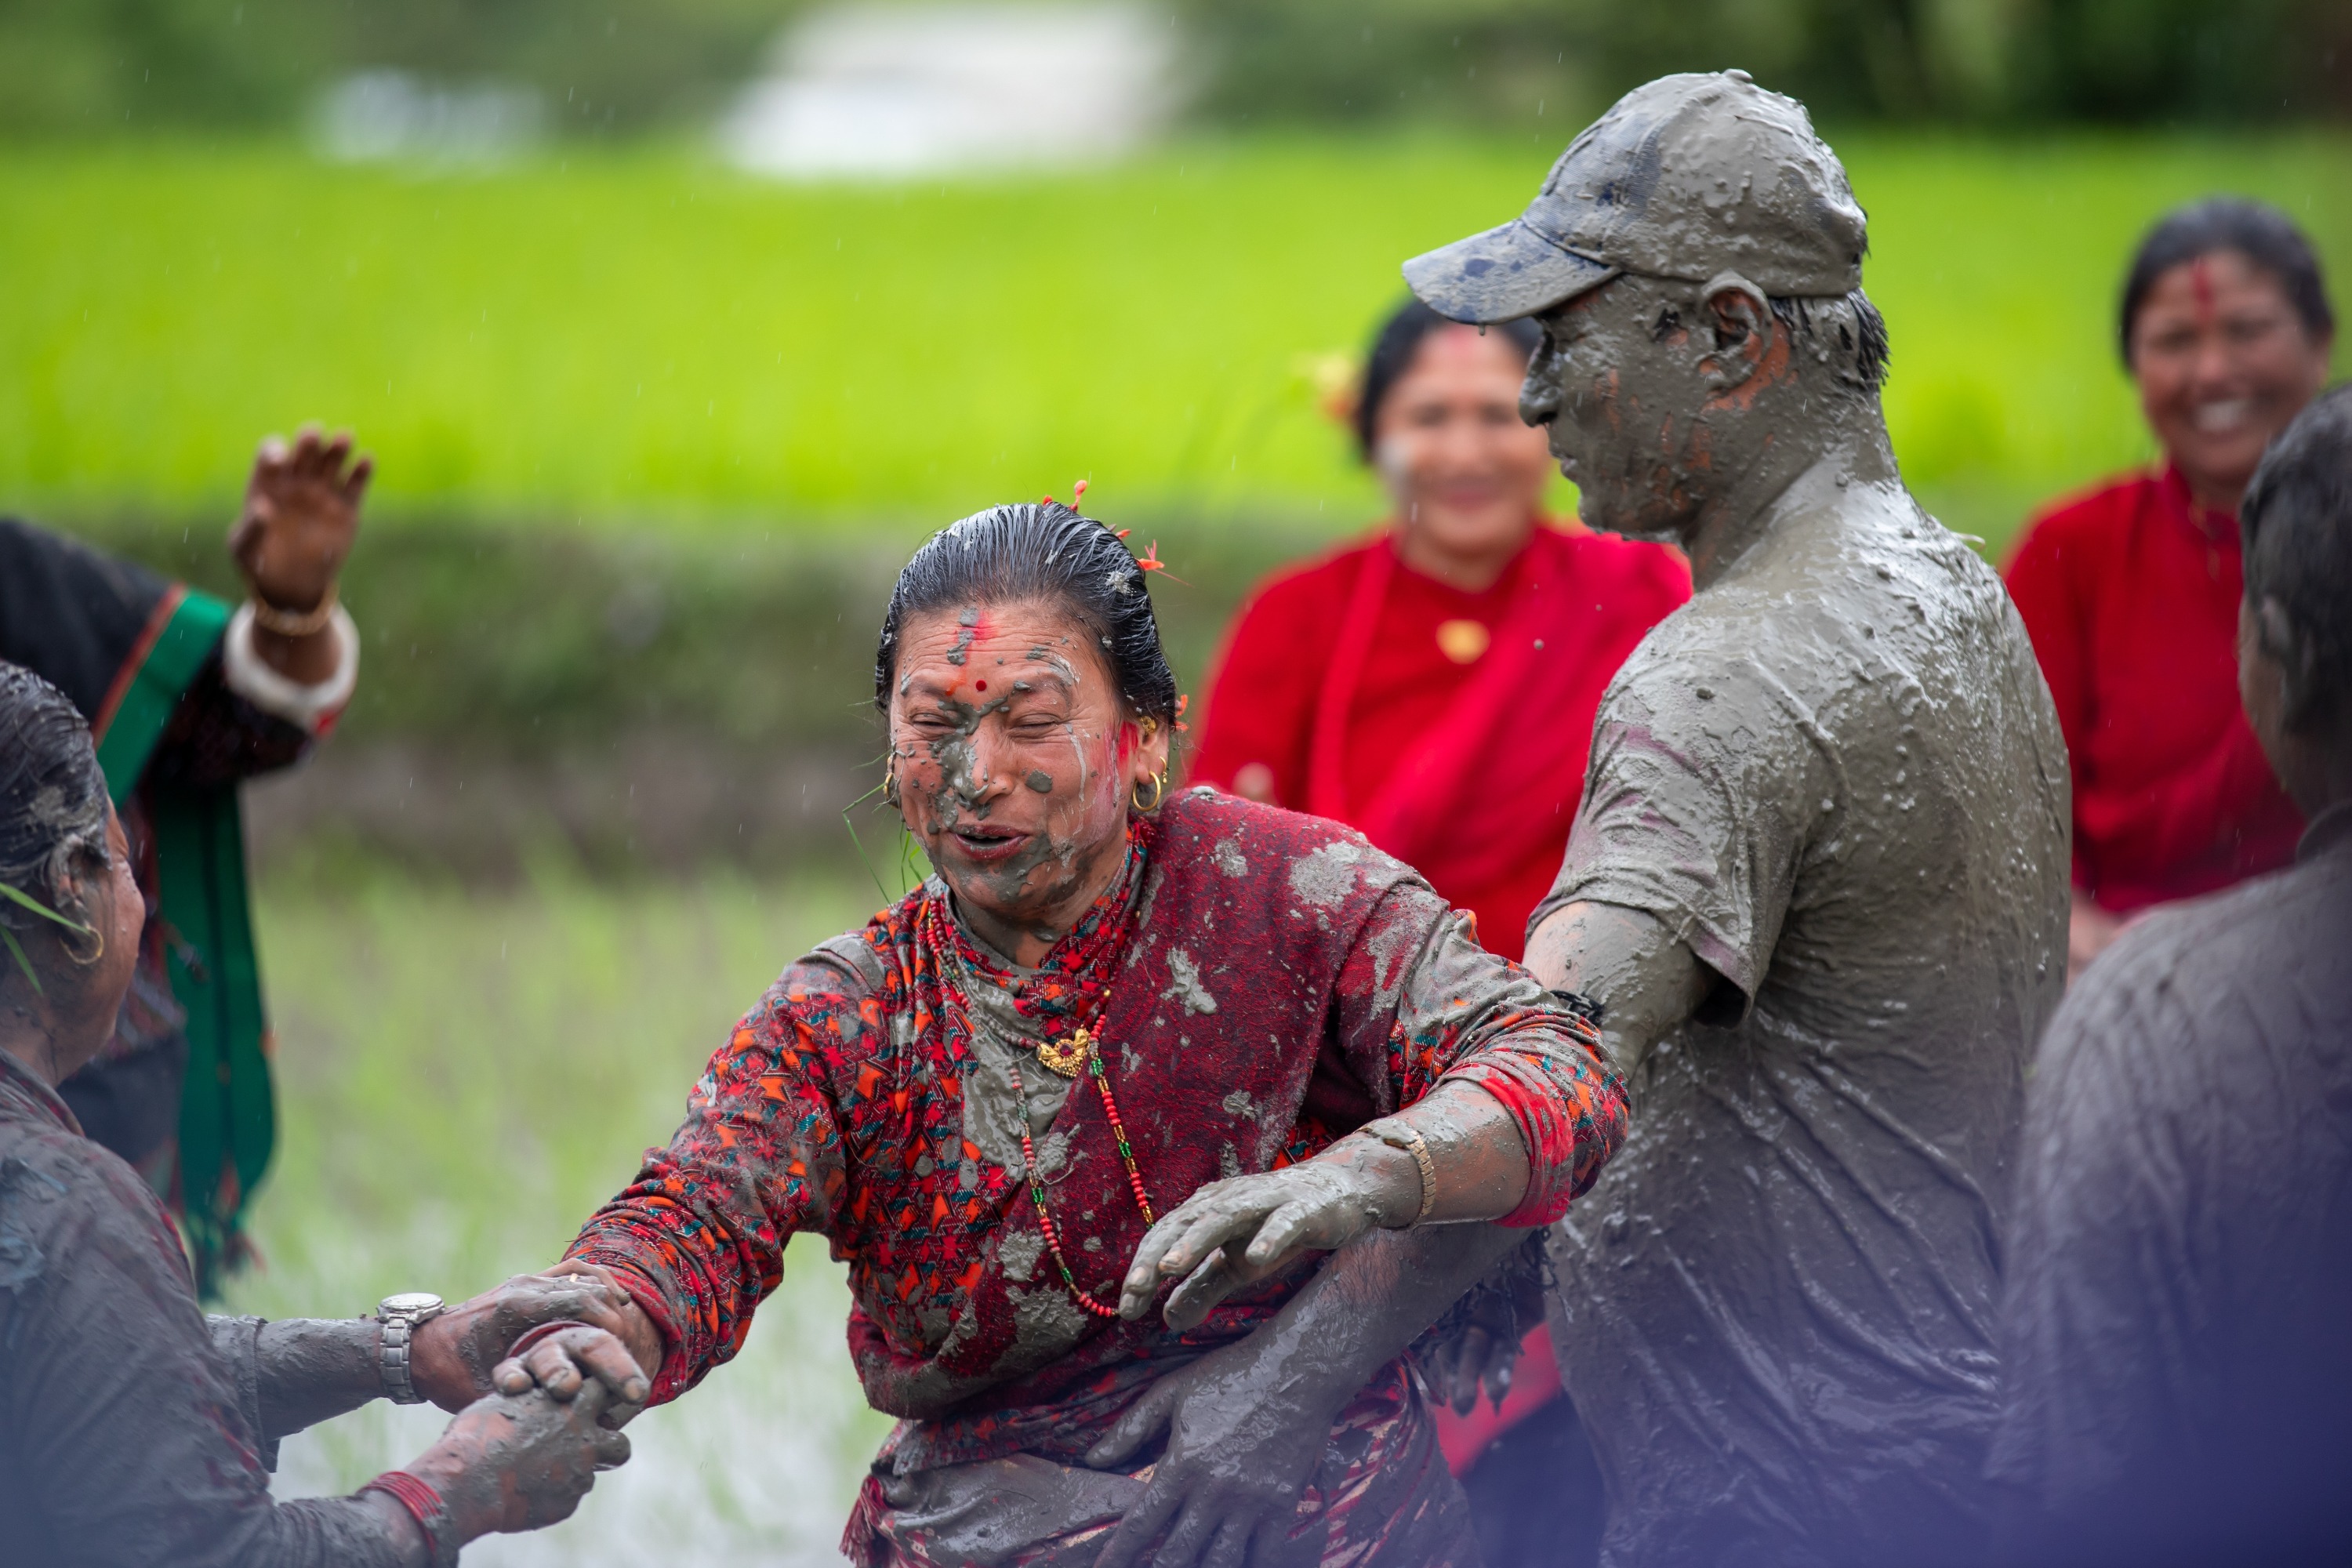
(2131, 592)
(1110, 1008)
(1434, 686)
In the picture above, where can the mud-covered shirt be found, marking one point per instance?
(129, 1423)
(1836, 775)
(2177, 1331)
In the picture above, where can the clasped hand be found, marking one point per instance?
(531, 1430)
(465, 1353)
(1234, 1232)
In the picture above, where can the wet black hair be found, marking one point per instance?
(52, 798)
(1044, 552)
(2262, 234)
(1863, 352)
(2296, 525)
(1393, 346)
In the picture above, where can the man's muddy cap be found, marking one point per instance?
(1686, 177)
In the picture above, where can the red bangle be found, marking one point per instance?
(424, 1505)
(544, 1332)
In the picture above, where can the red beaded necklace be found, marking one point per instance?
(1079, 1051)
(1081, 1046)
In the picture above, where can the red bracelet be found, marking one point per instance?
(424, 1505)
(544, 1332)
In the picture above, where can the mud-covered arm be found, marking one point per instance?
(1708, 783)
(1645, 979)
(1510, 1102)
(218, 736)
(119, 1414)
(298, 1372)
(699, 1239)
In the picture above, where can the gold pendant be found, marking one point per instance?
(1069, 1057)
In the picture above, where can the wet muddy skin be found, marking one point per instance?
(1819, 883)
(1013, 763)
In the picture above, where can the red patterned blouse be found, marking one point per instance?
(1262, 982)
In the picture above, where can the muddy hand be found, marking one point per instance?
(567, 1360)
(1245, 1434)
(515, 1462)
(1234, 1232)
(1482, 1361)
(452, 1357)
(301, 512)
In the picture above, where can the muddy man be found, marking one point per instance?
(1817, 882)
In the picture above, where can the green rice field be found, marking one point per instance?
(640, 335)
(463, 1077)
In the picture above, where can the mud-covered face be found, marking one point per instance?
(1623, 385)
(1016, 758)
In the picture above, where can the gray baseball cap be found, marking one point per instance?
(1686, 177)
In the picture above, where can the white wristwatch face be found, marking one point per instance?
(409, 1304)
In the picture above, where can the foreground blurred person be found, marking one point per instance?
(2175, 1365)
(188, 698)
(1386, 686)
(2131, 593)
(134, 1430)
(1101, 1004)
(1817, 886)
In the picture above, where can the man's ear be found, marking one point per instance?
(2301, 703)
(1741, 320)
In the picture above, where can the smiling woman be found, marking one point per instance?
(2131, 592)
(1125, 1051)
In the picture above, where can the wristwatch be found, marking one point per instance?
(402, 1316)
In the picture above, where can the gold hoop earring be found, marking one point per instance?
(98, 935)
(1159, 782)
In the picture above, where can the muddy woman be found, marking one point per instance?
(1818, 879)
(1107, 1000)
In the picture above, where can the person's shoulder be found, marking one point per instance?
(63, 1196)
(855, 967)
(2085, 516)
(1204, 814)
(1248, 842)
(2187, 984)
(28, 547)
(2227, 942)
(1707, 637)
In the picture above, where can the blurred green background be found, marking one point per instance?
(654, 435)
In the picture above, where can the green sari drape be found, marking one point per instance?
(227, 1109)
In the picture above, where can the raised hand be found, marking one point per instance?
(301, 512)
(454, 1359)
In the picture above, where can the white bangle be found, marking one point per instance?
(309, 707)
(1404, 1135)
